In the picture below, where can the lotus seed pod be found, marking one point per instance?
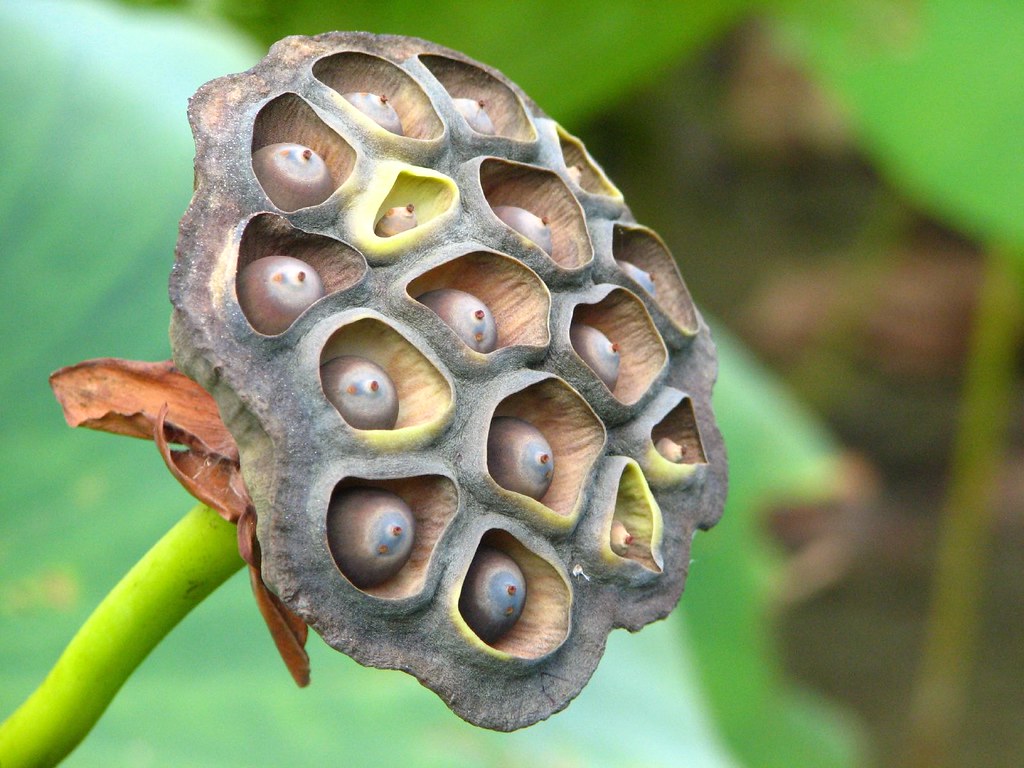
(524, 444)
(597, 351)
(645, 279)
(493, 594)
(475, 112)
(370, 532)
(362, 391)
(377, 108)
(293, 176)
(519, 458)
(396, 220)
(620, 538)
(274, 290)
(465, 314)
(530, 226)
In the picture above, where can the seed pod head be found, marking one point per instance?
(378, 108)
(493, 594)
(274, 290)
(530, 226)
(519, 458)
(362, 391)
(645, 279)
(293, 176)
(465, 314)
(370, 533)
(475, 112)
(396, 220)
(508, 448)
(597, 351)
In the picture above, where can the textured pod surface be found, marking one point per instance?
(607, 544)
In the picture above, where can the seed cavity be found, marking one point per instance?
(362, 391)
(532, 227)
(274, 290)
(377, 108)
(493, 594)
(519, 458)
(396, 220)
(370, 533)
(465, 314)
(293, 176)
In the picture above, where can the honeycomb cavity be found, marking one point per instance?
(395, 186)
(356, 72)
(424, 396)
(339, 265)
(626, 323)
(516, 296)
(466, 81)
(289, 119)
(582, 169)
(576, 438)
(644, 249)
(679, 428)
(544, 194)
(433, 500)
(637, 512)
(544, 623)
(442, 395)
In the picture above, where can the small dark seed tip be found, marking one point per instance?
(410, 207)
(306, 154)
(479, 315)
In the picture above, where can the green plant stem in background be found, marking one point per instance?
(194, 558)
(963, 549)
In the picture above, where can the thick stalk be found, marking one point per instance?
(962, 559)
(194, 558)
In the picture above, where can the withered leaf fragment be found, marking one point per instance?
(155, 401)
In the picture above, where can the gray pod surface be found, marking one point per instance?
(607, 544)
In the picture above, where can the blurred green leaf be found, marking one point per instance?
(99, 173)
(776, 452)
(600, 49)
(935, 90)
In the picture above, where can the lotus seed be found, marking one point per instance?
(378, 109)
(620, 538)
(597, 351)
(275, 290)
(531, 227)
(396, 220)
(646, 279)
(493, 594)
(475, 112)
(518, 457)
(362, 391)
(370, 532)
(293, 176)
(670, 449)
(465, 314)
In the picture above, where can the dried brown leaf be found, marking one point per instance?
(214, 480)
(126, 396)
(287, 630)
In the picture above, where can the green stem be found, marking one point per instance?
(194, 558)
(965, 527)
